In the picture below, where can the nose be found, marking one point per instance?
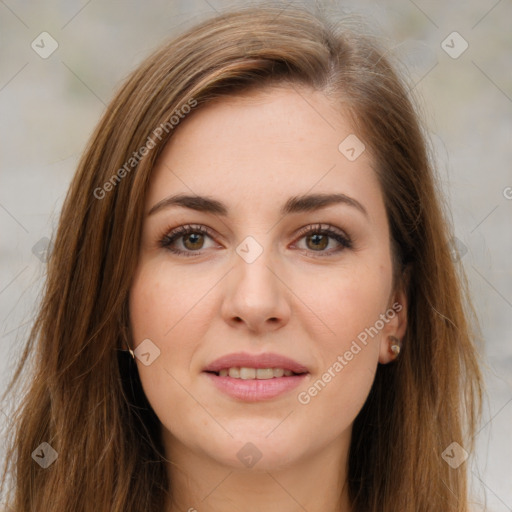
(256, 296)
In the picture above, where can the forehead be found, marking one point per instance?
(262, 147)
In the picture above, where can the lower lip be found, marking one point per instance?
(254, 390)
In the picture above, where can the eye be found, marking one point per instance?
(190, 238)
(318, 237)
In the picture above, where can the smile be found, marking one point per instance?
(255, 390)
(255, 377)
(245, 373)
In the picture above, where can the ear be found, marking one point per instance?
(396, 325)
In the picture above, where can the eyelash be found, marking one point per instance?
(326, 229)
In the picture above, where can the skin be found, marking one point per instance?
(253, 152)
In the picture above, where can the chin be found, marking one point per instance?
(259, 447)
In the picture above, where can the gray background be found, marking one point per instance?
(49, 108)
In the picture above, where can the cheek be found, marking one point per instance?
(335, 394)
(350, 302)
(153, 303)
(164, 305)
(158, 311)
(173, 310)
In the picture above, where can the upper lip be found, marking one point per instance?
(265, 360)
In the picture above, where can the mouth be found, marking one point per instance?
(255, 377)
(246, 373)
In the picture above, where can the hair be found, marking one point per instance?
(87, 402)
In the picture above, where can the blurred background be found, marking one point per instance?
(60, 63)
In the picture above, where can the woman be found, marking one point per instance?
(251, 303)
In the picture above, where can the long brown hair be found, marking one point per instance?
(89, 405)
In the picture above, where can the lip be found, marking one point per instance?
(255, 390)
(265, 360)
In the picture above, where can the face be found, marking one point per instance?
(263, 279)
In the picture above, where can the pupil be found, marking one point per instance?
(194, 239)
(316, 240)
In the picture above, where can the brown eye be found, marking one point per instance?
(193, 241)
(187, 240)
(324, 240)
(318, 242)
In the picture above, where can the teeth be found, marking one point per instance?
(264, 373)
(234, 372)
(245, 373)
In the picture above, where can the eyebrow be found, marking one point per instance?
(295, 204)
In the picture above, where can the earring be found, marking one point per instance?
(396, 345)
(130, 351)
